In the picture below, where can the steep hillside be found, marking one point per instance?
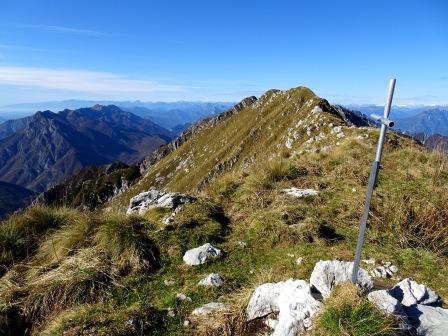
(13, 197)
(51, 146)
(90, 186)
(279, 123)
(275, 185)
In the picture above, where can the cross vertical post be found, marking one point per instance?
(385, 122)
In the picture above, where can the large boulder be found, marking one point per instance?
(428, 320)
(293, 302)
(199, 255)
(154, 198)
(326, 274)
(409, 292)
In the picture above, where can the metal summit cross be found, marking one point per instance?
(385, 122)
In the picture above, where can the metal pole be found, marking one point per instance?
(373, 179)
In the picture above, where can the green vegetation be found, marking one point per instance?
(104, 273)
(345, 313)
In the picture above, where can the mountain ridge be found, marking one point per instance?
(51, 145)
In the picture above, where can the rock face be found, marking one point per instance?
(295, 192)
(213, 280)
(210, 308)
(155, 198)
(201, 254)
(292, 301)
(329, 273)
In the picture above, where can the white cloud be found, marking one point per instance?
(82, 81)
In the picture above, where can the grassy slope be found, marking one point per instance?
(407, 226)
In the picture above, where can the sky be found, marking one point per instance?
(345, 51)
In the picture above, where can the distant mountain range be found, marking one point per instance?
(171, 115)
(422, 121)
(38, 152)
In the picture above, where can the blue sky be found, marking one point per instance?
(222, 50)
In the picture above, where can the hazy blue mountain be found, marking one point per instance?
(51, 146)
(397, 112)
(166, 114)
(433, 121)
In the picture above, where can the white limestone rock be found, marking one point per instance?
(409, 292)
(155, 198)
(212, 280)
(326, 274)
(183, 297)
(293, 302)
(296, 192)
(201, 254)
(210, 308)
(427, 320)
(390, 305)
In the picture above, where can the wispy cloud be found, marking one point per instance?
(63, 29)
(92, 82)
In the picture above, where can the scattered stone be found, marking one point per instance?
(134, 323)
(169, 220)
(290, 255)
(409, 292)
(393, 268)
(293, 302)
(353, 189)
(427, 320)
(170, 312)
(156, 198)
(327, 274)
(210, 308)
(169, 282)
(379, 272)
(183, 297)
(186, 323)
(199, 255)
(316, 110)
(299, 260)
(212, 279)
(300, 192)
(369, 261)
(242, 244)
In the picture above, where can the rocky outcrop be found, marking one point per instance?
(154, 198)
(201, 254)
(409, 292)
(164, 150)
(417, 307)
(329, 273)
(291, 300)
